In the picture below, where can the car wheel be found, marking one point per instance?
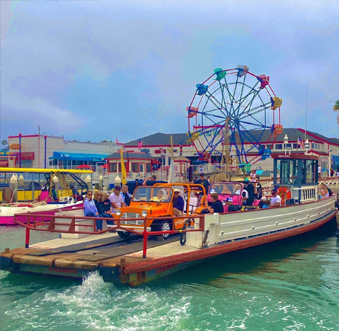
(165, 226)
(123, 234)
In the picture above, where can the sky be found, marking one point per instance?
(107, 70)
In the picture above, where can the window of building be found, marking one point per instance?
(296, 146)
(120, 166)
(141, 167)
(148, 167)
(135, 167)
(278, 146)
(112, 167)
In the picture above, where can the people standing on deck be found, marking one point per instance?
(178, 203)
(204, 182)
(276, 199)
(253, 180)
(216, 206)
(231, 207)
(116, 199)
(125, 194)
(148, 181)
(91, 209)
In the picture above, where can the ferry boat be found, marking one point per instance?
(135, 261)
(39, 191)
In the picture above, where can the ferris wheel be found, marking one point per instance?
(234, 117)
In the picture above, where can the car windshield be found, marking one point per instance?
(151, 193)
(227, 188)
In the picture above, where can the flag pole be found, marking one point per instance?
(306, 112)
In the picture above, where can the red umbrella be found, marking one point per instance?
(83, 166)
(105, 166)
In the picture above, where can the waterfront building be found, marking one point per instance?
(41, 151)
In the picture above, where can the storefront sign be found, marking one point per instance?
(14, 146)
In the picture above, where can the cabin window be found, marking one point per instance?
(148, 167)
(112, 167)
(284, 171)
(135, 167)
(308, 171)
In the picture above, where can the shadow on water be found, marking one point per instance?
(254, 260)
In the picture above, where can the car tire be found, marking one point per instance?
(123, 234)
(165, 226)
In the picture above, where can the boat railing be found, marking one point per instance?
(73, 225)
(16, 191)
(308, 193)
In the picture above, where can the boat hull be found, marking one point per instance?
(7, 213)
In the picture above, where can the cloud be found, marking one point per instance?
(129, 69)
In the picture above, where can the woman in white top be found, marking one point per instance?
(253, 179)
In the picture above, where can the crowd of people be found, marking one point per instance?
(104, 204)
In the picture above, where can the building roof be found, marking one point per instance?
(129, 155)
(161, 139)
(321, 137)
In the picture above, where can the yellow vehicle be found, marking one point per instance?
(157, 201)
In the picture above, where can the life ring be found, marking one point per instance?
(284, 194)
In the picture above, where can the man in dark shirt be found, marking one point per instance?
(204, 182)
(231, 207)
(178, 203)
(216, 206)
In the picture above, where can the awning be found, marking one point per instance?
(78, 156)
(154, 161)
(27, 156)
(24, 156)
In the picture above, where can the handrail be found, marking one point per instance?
(50, 226)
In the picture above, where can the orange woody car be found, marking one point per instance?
(157, 201)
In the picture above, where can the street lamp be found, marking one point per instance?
(285, 142)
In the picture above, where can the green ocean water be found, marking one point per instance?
(290, 285)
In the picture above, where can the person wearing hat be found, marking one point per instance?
(231, 207)
(276, 199)
(116, 198)
(204, 182)
(178, 203)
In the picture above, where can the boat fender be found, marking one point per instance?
(284, 194)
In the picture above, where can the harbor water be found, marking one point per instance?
(287, 285)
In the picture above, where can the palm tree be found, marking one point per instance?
(4, 143)
(336, 110)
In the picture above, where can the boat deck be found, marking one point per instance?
(92, 252)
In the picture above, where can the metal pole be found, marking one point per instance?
(144, 249)
(27, 238)
(19, 150)
(45, 137)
